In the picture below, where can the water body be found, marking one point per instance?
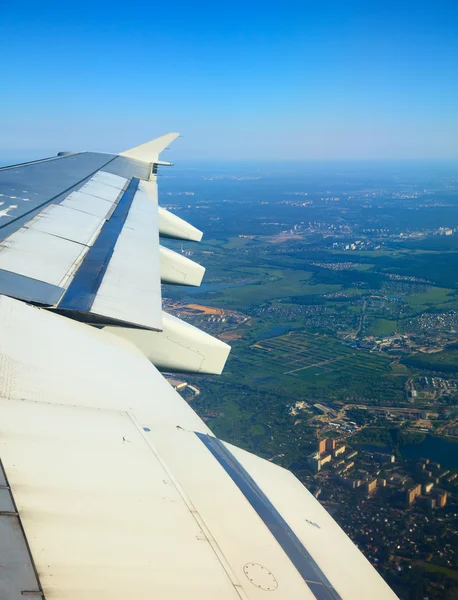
(437, 449)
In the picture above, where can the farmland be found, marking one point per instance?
(304, 353)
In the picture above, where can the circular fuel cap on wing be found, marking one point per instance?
(261, 577)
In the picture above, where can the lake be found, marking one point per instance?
(437, 449)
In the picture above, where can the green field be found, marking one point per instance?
(380, 327)
(270, 284)
(431, 298)
(443, 362)
(308, 354)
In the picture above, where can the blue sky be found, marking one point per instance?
(261, 80)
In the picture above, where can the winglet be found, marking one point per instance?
(149, 151)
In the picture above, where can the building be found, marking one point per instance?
(413, 493)
(330, 444)
(325, 459)
(322, 446)
(383, 457)
(441, 498)
(427, 487)
(370, 486)
(382, 482)
(314, 461)
(339, 450)
(347, 482)
(348, 466)
(352, 454)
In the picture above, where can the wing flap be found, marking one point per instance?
(130, 291)
(119, 280)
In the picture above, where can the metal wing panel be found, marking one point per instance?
(64, 222)
(114, 278)
(101, 190)
(101, 243)
(40, 256)
(111, 179)
(88, 204)
(240, 535)
(26, 189)
(119, 280)
(82, 366)
(102, 516)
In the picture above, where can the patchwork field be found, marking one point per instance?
(305, 353)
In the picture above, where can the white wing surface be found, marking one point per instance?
(111, 487)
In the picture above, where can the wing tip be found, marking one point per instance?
(149, 151)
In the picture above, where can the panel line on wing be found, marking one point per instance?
(305, 564)
(19, 573)
(83, 289)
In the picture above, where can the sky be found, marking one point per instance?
(329, 79)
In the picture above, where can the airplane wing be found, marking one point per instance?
(110, 485)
